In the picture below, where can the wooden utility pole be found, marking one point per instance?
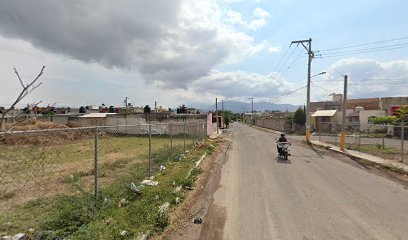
(343, 120)
(309, 63)
(252, 111)
(216, 112)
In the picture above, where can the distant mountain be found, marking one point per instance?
(239, 107)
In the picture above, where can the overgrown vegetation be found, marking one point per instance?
(300, 117)
(120, 213)
(376, 150)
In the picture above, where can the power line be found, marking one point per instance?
(290, 92)
(329, 66)
(280, 60)
(293, 62)
(367, 50)
(276, 71)
(323, 88)
(364, 44)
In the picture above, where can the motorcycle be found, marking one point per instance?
(284, 149)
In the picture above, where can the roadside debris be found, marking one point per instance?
(123, 233)
(178, 189)
(136, 189)
(150, 183)
(164, 208)
(123, 202)
(198, 220)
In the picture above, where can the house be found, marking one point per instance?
(361, 117)
(326, 120)
(358, 111)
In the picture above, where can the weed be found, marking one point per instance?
(80, 217)
(161, 221)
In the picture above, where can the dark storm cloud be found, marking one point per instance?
(148, 36)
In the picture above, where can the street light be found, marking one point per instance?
(320, 73)
(252, 111)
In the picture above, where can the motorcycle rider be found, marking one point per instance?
(281, 139)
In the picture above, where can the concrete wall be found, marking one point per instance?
(162, 123)
(58, 119)
(275, 123)
(364, 115)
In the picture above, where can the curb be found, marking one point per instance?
(402, 168)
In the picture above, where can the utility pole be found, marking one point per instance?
(216, 112)
(126, 103)
(222, 103)
(343, 120)
(252, 110)
(309, 63)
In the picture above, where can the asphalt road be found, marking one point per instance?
(314, 196)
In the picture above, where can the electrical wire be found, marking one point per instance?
(364, 44)
(360, 51)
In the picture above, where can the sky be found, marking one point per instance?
(192, 51)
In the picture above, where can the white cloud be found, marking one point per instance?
(259, 12)
(368, 77)
(235, 17)
(241, 85)
(274, 49)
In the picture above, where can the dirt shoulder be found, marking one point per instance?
(198, 201)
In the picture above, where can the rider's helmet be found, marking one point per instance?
(282, 135)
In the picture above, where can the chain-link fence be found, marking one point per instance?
(386, 141)
(84, 167)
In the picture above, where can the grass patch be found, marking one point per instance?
(119, 208)
(377, 148)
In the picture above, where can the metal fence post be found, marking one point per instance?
(192, 125)
(171, 139)
(383, 141)
(335, 139)
(402, 140)
(359, 138)
(184, 134)
(96, 163)
(150, 150)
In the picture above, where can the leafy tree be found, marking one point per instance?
(300, 117)
(228, 116)
(402, 114)
(383, 120)
(182, 109)
(290, 117)
(146, 109)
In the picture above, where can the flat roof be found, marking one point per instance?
(96, 115)
(324, 113)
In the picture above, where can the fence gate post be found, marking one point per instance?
(96, 163)
(150, 150)
(171, 139)
(192, 125)
(402, 139)
(184, 134)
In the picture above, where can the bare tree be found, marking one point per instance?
(27, 89)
